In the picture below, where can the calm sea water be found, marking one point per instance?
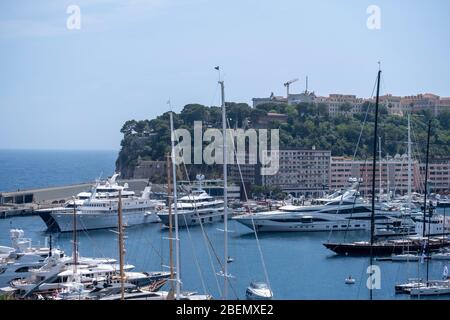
(25, 169)
(298, 265)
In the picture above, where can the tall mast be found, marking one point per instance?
(426, 179)
(380, 167)
(425, 198)
(225, 190)
(177, 239)
(121, 248)
(74, 240)
(409, 161)
(169, 192)
(374, 163)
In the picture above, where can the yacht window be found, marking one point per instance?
(23, 269)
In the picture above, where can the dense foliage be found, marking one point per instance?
(308, 125)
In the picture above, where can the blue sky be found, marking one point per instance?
(73, 89)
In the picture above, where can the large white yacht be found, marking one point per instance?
(108, 189)
(341, 211)
(195, 208)
(101, 209)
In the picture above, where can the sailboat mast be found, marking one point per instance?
(75, 249)
(426, 179)
(409, 161)
(177, 239)
(121, 251)
(380, 167)
(425, 199)
(374, 163)
(169, 200)
(225, 190)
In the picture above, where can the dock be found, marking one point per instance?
(26, 202)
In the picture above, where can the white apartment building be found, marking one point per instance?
(301, 172)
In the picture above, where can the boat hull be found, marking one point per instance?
(377, 249)
(87, 221)
(430, 291)
(266, 225)
(47, 217)
(192, 218)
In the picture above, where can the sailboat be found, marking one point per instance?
(388, 247)
(433, 287)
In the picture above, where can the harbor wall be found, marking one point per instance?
(25, 202)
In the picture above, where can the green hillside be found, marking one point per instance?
(308, 125)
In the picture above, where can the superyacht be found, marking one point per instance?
(100, 211)
(196, 208)
(344, 210)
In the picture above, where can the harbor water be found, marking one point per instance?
(298, 265)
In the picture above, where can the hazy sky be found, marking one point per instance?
(73, 89)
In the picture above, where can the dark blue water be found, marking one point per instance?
(298, 265)
(25, 169)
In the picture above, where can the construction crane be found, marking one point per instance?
(287, 84)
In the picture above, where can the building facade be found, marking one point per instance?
(301, 172)
(393, 176)
(347, 104)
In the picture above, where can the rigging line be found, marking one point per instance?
(253, 222)
(364, 122)
(353, 208)
(361, 132)
(203, 232)
(189, 234)
(360, 282)
(160, 255)
(96, 248)
(194, 252)
(421, 177)
(191, 242)
(205, 236)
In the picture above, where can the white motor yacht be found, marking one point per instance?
(258, 291)
(100, 212)
(342, 213)
(195, 208)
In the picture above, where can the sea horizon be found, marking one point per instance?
(24, 169)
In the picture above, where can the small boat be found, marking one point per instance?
(441, 256)
(259, 291)
(350, 280)
(230, 259)
(407, 286)
(434, 289)
(407, 256)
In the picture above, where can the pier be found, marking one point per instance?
(26, 202)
